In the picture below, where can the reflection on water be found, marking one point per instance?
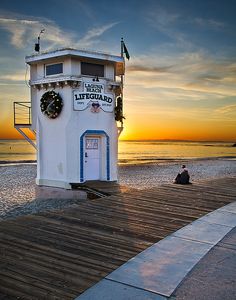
(153, 151)
(134, 151)
(16, 150)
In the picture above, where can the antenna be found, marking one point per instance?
(37, 45)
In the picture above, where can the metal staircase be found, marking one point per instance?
(22, 120)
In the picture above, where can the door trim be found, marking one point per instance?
(99, 133)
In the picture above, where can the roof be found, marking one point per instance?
(73, 52)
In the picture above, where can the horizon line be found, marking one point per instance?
(146, 140)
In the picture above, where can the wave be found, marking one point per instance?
(162, 161)
(182, 143)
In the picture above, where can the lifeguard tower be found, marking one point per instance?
(76, 104)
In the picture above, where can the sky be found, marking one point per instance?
(180, 80)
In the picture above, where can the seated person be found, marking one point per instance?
(183, 177)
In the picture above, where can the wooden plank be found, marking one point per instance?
(59, 254)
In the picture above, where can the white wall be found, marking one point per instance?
(109, 72)
(59, 139)
(33, 72)
(52, 139)
(75, 67)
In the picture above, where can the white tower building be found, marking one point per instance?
(76, 103)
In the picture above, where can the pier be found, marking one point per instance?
(59, 254)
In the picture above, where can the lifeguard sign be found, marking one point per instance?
(76, 103)
(94, 94)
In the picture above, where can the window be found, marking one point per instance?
(92, 69)
(54, 69)
(91, 143)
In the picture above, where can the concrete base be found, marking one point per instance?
(53, 183)
(68, 186)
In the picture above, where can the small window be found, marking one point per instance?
(92, 69)
(91, 143)
(54, 69)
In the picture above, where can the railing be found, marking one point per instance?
(22, 120)
(22, 113)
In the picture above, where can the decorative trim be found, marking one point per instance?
(94, 132)
(72, 81)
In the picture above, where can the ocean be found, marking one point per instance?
(142, 164)
(134, 152)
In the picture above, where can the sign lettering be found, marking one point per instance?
(93, 97)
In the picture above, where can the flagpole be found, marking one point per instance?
(122, 77)
(122, 47)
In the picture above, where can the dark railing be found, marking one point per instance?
(22, 113)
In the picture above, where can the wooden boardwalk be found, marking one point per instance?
(59, 254)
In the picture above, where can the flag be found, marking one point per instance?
(126, 51)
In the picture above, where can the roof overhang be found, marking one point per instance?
(118, 61)
(73, 52)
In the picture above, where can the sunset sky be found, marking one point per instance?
(181, 77)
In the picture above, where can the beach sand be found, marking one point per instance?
(20, 195)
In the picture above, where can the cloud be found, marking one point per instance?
(208, 23)
(192, 73)
(173, 25)
(93, 33)
(228, 109)
(165, 22)
(18, 29)
(24, 32)
(145, 68)
(161, 18)
(13, 77)
(179, 27)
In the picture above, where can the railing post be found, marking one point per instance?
(14, 107)
(29, 115)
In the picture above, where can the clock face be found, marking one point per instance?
(51, 104)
